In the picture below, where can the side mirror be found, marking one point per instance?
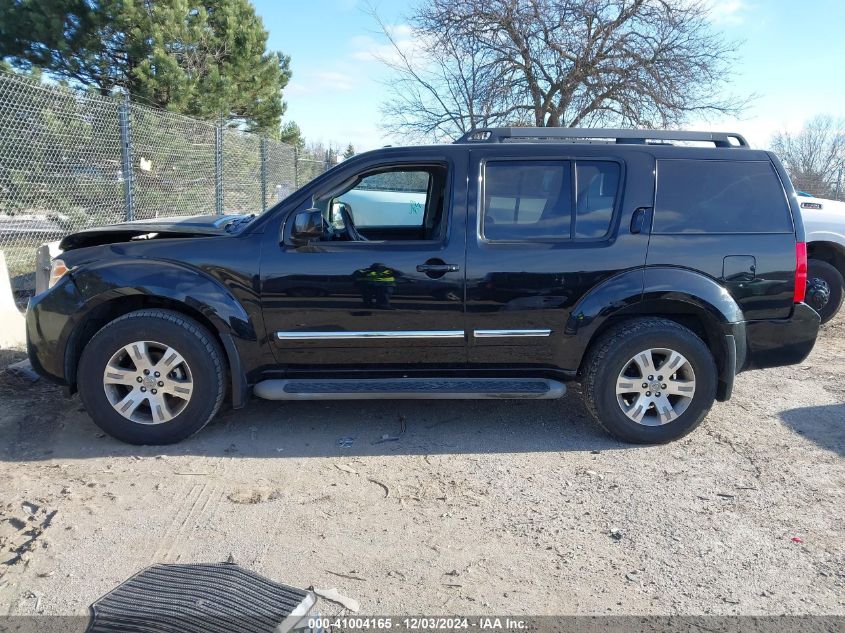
(307, 225)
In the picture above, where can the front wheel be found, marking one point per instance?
(824, 289)
(649, 381)
(152, 377)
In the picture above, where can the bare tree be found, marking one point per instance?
(815, 156)
(474, 63)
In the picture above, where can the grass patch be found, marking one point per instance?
(9, 356)
(20, 259)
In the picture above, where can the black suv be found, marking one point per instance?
(501, 266)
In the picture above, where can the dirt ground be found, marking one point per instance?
(445, 507)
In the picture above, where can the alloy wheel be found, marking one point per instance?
(148, 382)
(655, 387)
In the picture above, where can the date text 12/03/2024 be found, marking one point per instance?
(491, 623)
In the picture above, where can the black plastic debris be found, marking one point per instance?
(204, 598)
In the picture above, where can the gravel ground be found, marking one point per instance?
(445, 507)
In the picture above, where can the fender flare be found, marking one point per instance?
(671, 283)
(603, 300)
(626, 292)
(826, 236)
(99, 284)
(666, 283)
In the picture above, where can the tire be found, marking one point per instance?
(120, 362)
(618, 359)
(829, 279)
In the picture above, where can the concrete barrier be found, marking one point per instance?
(43, 260)
(12, 325)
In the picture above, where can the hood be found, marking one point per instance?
(824, 220)
(811, 204)
(157, 228)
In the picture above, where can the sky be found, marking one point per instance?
(792, 58)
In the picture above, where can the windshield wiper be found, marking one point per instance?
(237, 225)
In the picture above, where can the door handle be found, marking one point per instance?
(438, 268)
(641, 220)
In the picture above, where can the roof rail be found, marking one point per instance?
(626, 136)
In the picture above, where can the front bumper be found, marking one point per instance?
(777, 342)
(50, 321)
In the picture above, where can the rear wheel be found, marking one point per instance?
(824, 289)
(152, 377)
(649, 381)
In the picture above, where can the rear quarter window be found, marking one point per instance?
(714, 196)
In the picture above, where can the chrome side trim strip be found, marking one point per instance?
(406, 334)
(339, 336)
(509, 333)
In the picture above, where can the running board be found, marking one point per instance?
(412, 389)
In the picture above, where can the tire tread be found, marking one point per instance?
(200, 333)
(612, 338)
(837, 289)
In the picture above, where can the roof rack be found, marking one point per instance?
(605, 135)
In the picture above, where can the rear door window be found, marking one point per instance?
(542, 200)
(598, 184)
(527, 200)
(713, 196)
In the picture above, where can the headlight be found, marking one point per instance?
(57, 270)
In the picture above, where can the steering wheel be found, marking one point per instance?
(349, 233)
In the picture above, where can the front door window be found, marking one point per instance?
(391, 204)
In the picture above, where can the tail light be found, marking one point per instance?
(800, 272)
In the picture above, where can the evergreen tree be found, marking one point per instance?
(349, 152)
(196, 57)
(292, 135)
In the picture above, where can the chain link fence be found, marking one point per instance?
(71, 160)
